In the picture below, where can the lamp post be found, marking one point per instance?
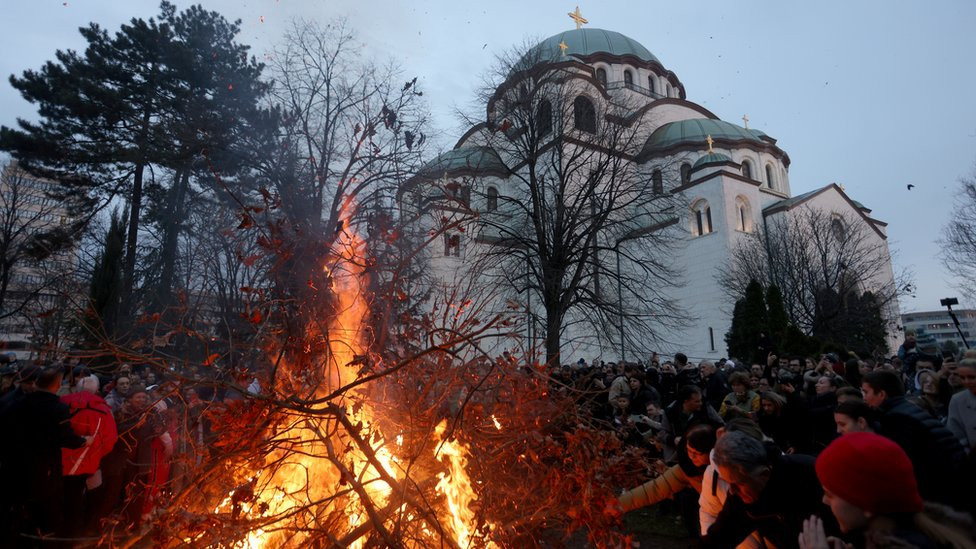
(948, 303)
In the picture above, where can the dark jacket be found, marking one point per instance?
(791, 495)
(937, 456)
(716, 386)
(820, 421)
(676, 421)
(40, 428)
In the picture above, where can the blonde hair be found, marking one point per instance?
(946, 526)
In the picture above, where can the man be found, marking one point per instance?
(908, 351)
(687, 410)
(934, 450)
(716, 383)
(118, 394)
(688, 374)
(769, 492)
(40, 429)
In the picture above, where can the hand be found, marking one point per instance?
(771, 359)
(814, 537)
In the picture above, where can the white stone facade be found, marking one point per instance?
(754, 177)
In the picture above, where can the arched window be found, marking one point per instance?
(838, 229)
(770, 182)
(743, 214)
(452, 245)
(650, 84)
(701, 218)
(492, 195)
(747, 169)
(685, 173)
(668, 88)
(584, 114)
(543, 117)
(628, 79)
(601, 75)
(657, 182)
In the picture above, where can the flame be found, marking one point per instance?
(456, 487)
(303, 473)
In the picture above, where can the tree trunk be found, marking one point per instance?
(176, 212)
(129, 267)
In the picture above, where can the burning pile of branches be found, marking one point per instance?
(355, 441)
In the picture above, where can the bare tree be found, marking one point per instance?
(958, 242)
(570, 217)
(33, 261)
(821, 262)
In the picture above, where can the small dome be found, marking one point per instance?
(583, 42)
(711, 158)
(696, 130)
(477, 159)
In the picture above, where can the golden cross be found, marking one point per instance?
(563, 47)
(709, 141)
(745, 119)
(578, 17)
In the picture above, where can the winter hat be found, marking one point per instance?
(87, 383)
(870, 472)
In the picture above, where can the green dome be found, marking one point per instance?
(480, 159)
(696, 130)
(583, 42)
(711, 158)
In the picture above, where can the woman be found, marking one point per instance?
(742, 401)
(870, 488)
(693, 458)
(854, 416)
(934, 394)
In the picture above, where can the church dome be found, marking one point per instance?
(711, 158)
(584, 42)
(697, 130)
(465, 159)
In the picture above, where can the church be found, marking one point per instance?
(669, 167)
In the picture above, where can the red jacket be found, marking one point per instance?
(90, 415)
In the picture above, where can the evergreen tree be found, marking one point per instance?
(749, 323)
(106, 284)
(778, 320)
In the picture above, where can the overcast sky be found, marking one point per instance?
(873, 95)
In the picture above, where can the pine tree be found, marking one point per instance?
(778, 320)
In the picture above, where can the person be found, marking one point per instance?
(935, 452)
(870, 487)
(962, 406)
(908, 351)
(90, 415)
(715, 491)
(772, 421)
(933, 394)
(641, 394)
(742, 401)
(116, 397)
(40, 428)
(853, 416)
(821, 413)
(770, 493)
(693, 458)
(687, 409)
(715, 383)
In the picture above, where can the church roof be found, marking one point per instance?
(696, 130)
(473, 159)
(584, 42)
(711, 158)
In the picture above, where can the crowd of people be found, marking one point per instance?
(799, 451)
(80, 448)
(794, 452)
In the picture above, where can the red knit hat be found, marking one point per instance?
(870, 472)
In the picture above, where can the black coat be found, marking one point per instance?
(40, 427)
(937, 456)
(791, 495)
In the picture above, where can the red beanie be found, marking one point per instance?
(870, 472)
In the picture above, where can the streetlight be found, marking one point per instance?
(948, 303)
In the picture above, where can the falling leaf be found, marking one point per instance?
(261, 18)
(256, 317)
(246, 221)
(210, 359)
(230, 87)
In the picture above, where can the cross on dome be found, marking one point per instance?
(563, 47)
(709, 140)
(745, 120)
(578, 17)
